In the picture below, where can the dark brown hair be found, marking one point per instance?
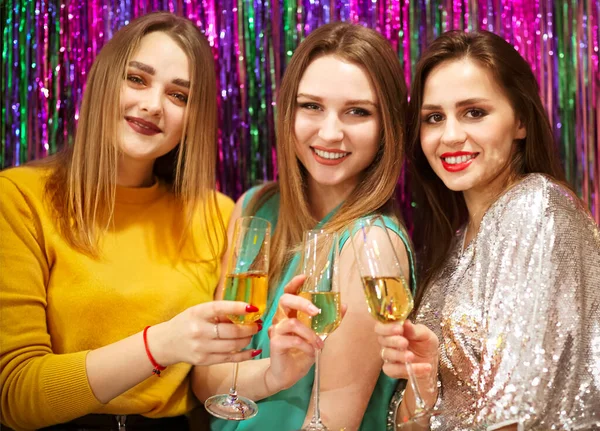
(440, 212)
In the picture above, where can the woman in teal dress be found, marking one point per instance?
(340, 151)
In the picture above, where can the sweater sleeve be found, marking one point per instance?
(39, 388)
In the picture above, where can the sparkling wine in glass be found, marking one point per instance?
(321, 267)
(388, 294)
(246, 280)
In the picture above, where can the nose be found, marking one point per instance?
(151, 102)
(331, 129)
(453, 132)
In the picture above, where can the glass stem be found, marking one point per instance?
(317, 413)
(419, 403)
(232, 390)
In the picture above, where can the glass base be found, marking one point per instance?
(231, 407)
(420, 421)
(315, 425)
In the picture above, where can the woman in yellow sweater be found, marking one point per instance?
(122, 232)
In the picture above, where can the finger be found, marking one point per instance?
(344, 308)
(294, 284)
(389, 329)
(284, 343)
(393, 342)
(390, 354)
(213, 309)
(417, 332)
(229, 331)
(398, 370)
(227, 346)
(289, 302)
(296, 328)
(219, 358)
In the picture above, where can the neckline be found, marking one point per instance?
(139, 195)
(465, 247)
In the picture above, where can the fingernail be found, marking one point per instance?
(314, 309)
(259, 321)
(251, 309)
(255, 353)
(260, 325)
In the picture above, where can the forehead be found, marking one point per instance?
(329, 76)
(456, 80)
(159, 50)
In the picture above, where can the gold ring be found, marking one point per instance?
(383, 353)
(216, 327)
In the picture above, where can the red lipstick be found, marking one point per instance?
(142, 126)
(457, 167)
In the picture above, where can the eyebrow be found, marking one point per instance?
(348, 102)
(460, 104)
(151, 71)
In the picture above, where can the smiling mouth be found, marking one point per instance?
(458, 161)
(330, 155)
(455, 160)
(143, 126)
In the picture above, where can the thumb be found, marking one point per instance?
(295, 284)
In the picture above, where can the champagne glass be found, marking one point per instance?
(388, 294)
(247, 281)
(320, 265)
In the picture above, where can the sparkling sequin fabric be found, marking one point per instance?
(517, 315)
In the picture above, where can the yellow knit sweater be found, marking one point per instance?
(56, 304)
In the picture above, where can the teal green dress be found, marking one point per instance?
(286, 410)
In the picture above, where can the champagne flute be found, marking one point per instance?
(246, 281)
(321, 267)
(388, 294)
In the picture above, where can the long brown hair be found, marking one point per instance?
(83, 183)
(440, 212)
(369, 50)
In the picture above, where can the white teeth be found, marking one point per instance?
(459, 159)
(329, 155)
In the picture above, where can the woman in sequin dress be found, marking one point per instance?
(508, 320)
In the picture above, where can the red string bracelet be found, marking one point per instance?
(157, 367)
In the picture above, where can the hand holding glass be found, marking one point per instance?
(388, 294)
(320, 265)
(247, 281)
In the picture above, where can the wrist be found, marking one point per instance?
(157, 341)
(272, 385)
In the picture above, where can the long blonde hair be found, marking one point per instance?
(83, 183)
(369, 50)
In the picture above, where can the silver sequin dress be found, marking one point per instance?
(518, 316)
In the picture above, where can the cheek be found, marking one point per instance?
(370, 136)
(428, 143)
(174, 118)
(303, 128)
(125, 98)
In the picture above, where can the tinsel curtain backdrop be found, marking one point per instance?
(49, 45)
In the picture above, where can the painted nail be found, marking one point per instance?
(314, 309)
(259, 321)
(251, 309)
(260, 325)
(255, 353)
